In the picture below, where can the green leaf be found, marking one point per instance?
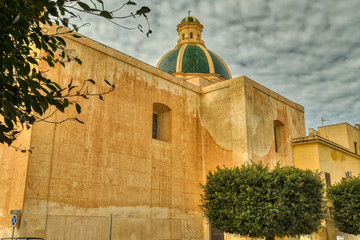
(62, 11)
(66, 103)
(78, 108)
(36, 107)
(60, 2)
(106, 14)
(53, 11)
(32, 60)
(78, 60)
(52, 87)
(131, 3)
(59, 106)
(143, 10)
(61, 40)
(83, 6)
(9, 123)
(27, 69)
(35, 38)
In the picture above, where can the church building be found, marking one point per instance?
(133, 170)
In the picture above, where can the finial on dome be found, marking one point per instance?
(189, 12)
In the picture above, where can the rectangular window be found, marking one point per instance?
(355, 147)
(275, 138)
(327, 179)
(155, 126)
(279, 137)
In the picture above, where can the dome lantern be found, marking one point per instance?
(189, 31)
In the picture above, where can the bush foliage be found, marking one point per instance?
(252, 201)
(345, 198)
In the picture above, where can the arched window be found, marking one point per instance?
(183, 36)
(279, 136)
(161, 123)
(191, 35)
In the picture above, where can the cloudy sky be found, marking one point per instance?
(308, 50)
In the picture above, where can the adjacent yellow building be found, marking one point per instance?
(137, 162)
(334, 150)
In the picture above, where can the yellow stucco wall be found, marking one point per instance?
(13, 169)
(343, 134)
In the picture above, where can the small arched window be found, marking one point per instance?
(191, 35)
(161, 123)
(279, 136)
(183, 36)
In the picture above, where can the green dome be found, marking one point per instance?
(190, 58)
(193, 59)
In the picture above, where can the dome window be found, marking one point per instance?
(191, 35)
(183, 36)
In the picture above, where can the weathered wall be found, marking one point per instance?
(80, 174)
(263, 107)
(13, 167)
(222, 114)
(239, 116)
